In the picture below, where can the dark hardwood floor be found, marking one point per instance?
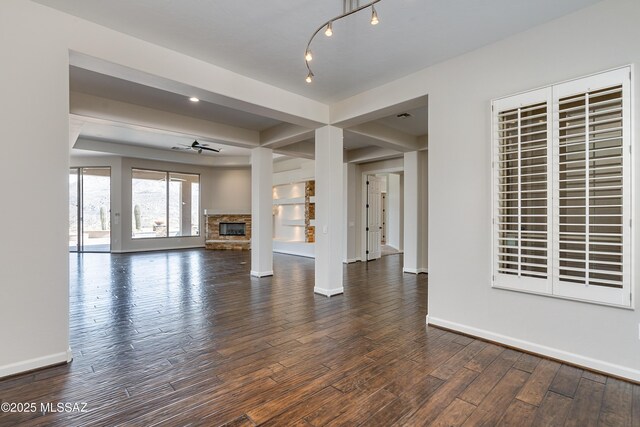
(189, 338)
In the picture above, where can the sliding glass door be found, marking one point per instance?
(90, 209)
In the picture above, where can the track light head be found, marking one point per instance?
(374, 16)
(308, 56)
(329, 31)
(309, 78)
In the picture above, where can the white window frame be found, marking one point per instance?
(552, 285)
(168, 174)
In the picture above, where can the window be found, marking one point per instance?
(164, 204)
(562, 190)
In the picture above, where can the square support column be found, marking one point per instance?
(329, 211)
(261, 212)
(349, 212)
(415, 212)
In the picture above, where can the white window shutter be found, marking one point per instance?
(522, 192)
(592, 188)
(562, 189)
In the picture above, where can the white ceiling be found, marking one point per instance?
(152, 138)
(265, 40)
(416, 124)
(85, 81)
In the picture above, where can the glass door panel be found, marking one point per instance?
(74, 203)
(96, 209)
(90, 209)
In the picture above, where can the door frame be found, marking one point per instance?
(80, 211)
(363, 201)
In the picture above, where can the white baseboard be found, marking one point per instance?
(554, 353)
(351, 260)
(129, 251)
(261, 273)
(286, 252)
(415, 270)
(37, 363)
(328, 292)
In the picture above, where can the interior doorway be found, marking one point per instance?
(374, 217)
(90, 209)
(382, 213)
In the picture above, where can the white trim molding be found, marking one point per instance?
(328, 292)
(168, 248)
(555, 353)
(37, 363)
(261, 273)
(351, 260)
(415, 270)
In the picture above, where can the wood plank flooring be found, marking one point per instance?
(189, 338)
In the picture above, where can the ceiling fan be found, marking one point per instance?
(196, 146)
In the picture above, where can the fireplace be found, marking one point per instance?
(228, 231)
(232, 229)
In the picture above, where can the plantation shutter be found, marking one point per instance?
(522, 216)
(592, 188)
(562, 189)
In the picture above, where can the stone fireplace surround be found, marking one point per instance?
(213, 239)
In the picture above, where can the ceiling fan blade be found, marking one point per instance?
(199, 144)
(210, 149)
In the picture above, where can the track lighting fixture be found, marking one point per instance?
(329, 31)
(374, 16)
(349, 8)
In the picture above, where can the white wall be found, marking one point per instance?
(597, 38)
(230, 191)
(34, 265)
(293, 170)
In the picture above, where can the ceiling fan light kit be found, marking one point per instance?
(349, 7)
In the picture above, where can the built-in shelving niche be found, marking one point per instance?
(294, 212)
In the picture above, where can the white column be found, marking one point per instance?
(423, 212)
(329, 211)
(349, 212)
(394, 210)
(261, 211)
(411, 212)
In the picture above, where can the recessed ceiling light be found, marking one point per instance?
(194, 99)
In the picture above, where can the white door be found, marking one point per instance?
(374, 217)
